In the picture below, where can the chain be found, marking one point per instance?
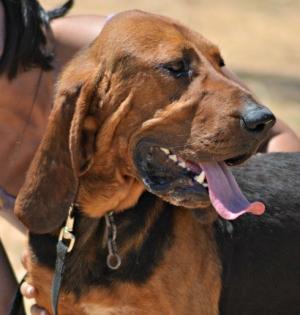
(113, 259)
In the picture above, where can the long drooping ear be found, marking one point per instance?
(64, 153)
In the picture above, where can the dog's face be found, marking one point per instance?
(147, 105)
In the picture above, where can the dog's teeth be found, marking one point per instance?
(182, 164)
(173, 158)
(200, 178)
(205, 185)
(166, 151)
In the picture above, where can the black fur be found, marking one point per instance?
(137, 265)
(261, 255)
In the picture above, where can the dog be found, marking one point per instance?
(260, 257)
(144, 126)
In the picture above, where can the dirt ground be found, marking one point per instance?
(259, 40)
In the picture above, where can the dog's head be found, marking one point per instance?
(147, 105)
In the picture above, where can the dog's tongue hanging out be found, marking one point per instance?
(225, 194)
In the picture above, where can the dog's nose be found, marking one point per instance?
(257, 118)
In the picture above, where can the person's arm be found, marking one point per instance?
(73, 33)
(281, 139)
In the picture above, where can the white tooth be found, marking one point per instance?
(200, 178)
(173, 158)
(182, 164)
(166, 151)
(205, 185)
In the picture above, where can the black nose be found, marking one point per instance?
(257, 118)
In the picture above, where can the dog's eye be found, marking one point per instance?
(178, 69)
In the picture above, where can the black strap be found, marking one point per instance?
(61, 253)
(17, 307)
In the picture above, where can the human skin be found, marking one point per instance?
(22, 122)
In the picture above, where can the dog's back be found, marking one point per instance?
(261, 256)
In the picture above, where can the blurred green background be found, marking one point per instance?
(259, 40)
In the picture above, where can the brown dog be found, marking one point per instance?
(145, 107)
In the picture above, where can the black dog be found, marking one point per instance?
(261, 255)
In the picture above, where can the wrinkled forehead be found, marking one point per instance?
(143, 34)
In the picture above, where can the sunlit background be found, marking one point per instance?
(259, 40)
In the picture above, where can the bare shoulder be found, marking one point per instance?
(73, 33)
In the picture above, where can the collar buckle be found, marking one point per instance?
(66, 231)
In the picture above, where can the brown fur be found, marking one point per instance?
(109, 97)
(169, 291)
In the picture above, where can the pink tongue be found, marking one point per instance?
(225, 194)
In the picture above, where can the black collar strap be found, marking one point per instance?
(65, 245)
(62, 250)
(17, 306)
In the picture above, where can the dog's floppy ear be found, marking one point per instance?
(63, 155)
